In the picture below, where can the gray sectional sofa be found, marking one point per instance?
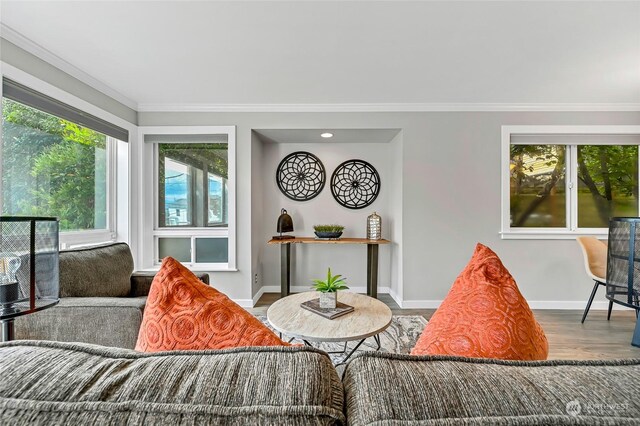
(54, 383)
(61, 383)
(45, 383)
(101, 299)
(391, 389)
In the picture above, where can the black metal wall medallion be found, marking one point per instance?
(355, 184)
(300, 176)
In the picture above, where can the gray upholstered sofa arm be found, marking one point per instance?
(141, 282)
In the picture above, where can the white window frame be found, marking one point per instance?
(118, 213)
(152, 231)
(70, 239)
(571, 231)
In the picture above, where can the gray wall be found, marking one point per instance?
(312, 261)
(257, 214)
(25, 61)
(441, 193)
(450, 196)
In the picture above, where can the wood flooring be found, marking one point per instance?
(597, 338)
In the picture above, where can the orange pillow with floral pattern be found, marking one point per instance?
(484, 316)
(183, 313)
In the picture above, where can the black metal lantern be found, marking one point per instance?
(28, 268)
(285, 224)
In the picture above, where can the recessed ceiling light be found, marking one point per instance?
(327, 135)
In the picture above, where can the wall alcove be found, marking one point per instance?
(382, 148)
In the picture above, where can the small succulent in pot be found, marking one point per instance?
(328, 289)
(328, 231)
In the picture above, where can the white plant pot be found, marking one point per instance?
(328, 300)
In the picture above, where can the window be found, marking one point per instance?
(563, 181)
(57, 164)
(193, 205)
(192, 184)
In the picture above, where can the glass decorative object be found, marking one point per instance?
(374, 227)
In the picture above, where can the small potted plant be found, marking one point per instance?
(329, 289)
(328, 231)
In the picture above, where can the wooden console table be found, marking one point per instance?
(285, 259)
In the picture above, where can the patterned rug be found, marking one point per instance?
(399, 337)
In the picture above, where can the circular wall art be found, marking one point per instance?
(300, 176)
(355, 184)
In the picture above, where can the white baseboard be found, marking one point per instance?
(577, 305)
(250, 303)
(301, 288)
(420, 304)
(244, 303)
(396, 298)
(257, 296)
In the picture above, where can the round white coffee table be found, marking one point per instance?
(369, 318)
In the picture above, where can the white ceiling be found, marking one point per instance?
(337, 52)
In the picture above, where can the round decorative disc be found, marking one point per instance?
(300, 176)
(355, 184)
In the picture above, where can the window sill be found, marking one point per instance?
(73, 239)
(195, 268)
(553, 235)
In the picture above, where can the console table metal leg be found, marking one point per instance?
(372, 270)
(285, 269)
(8, 330)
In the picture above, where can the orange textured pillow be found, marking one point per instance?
(484, 316)
(183, 313)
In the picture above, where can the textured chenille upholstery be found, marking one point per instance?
(100, 271)
(108, 321)
(183, 313)
(53, 383)
(101, 300)
(391, 389)
(484, 316)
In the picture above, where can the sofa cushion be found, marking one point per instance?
(108, 321)
(99, 271)
(141, 281)
(484, 315)
(46, 383)
(391, 389)
(184, 313)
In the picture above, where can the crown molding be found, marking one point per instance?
(46, 55)
(392, 107)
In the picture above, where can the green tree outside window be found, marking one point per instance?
(52, 167)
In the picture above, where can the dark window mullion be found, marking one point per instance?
(205, 193)
(192, 196)
(162, 218)
(223, 203)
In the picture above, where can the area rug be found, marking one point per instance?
(400, 337)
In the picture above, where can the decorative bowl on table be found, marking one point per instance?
(328, 231)
(328, 234)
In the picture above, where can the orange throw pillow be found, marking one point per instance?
(183, 313)
(484, 316)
